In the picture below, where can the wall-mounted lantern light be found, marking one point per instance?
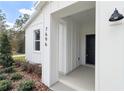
(116, 16)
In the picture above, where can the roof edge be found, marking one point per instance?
(37, 7)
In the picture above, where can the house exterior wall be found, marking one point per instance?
(109, 47)
(31, 55)
(86, 29)
(62, 48)
(64, 12)
(43, 21)
(72, 43)
(72, 46)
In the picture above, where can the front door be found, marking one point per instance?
(90, 49)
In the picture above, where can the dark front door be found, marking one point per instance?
(90, 49)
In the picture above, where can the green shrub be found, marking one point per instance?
(2, 77)
(26, 85)
(5, 51)
(5, 85)
(1, 71)
(16, 76)
(7, 70)
(17, 64)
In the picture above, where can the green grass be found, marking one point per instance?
(19, 58)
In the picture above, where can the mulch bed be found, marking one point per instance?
(39, 86)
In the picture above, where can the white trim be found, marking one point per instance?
(36, 51)
(38, 7)
(89, 65)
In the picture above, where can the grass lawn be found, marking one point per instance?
(20, 57)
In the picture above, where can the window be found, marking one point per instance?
(37, 40)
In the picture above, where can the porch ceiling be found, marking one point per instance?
(82, 17)
(74, 8)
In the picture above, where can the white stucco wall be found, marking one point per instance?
(109, 48)
(86, 28)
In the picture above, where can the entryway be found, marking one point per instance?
(82, 78)
(75, 48)
(90, 49)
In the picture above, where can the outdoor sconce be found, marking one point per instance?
(116, 16)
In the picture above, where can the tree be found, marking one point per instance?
(21, 21)
(18, 35)
(2, 21)
(5, 50)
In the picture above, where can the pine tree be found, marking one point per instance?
(5, 50)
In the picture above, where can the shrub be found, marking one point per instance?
(5, 85)
(1, 71)
(17, 64)
(30, 68)
(24, 66)
(7, 70)
(26, 85)
(5, 51)
(2, 77)
(16, 76)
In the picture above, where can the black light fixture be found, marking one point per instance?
(116, 16)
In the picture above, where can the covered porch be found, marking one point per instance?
(73, 53)
(82, 78)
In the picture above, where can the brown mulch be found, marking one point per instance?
(39, 86)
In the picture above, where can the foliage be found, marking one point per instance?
(27, 85)
(8, 70)
(21, 20)
(5, 51)
(2, 77)
(18, 34)
(5, 85)
(2, 21)
(17, 64)
(16, 76)
(17, 41)
(24, 66)
(32, 68)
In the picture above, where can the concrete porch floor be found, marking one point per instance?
(81, 79)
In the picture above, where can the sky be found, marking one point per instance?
(13, 9)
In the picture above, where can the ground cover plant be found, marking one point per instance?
(5, 85)
(26, 85)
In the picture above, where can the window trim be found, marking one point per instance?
(34, 40)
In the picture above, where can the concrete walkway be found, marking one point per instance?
(82, 79)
